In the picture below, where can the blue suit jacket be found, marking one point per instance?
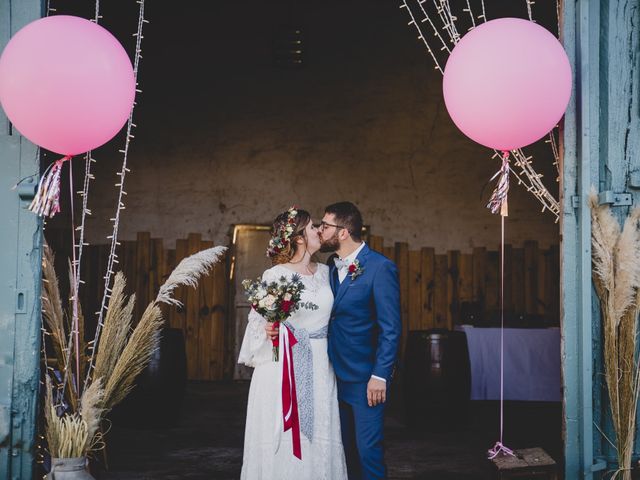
(365, 326)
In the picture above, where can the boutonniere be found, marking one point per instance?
(355, 269)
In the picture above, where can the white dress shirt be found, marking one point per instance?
(344, 271)
(349, 259)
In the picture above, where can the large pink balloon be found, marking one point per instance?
(66, 84)
(507, 83)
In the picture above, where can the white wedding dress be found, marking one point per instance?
(268, 453)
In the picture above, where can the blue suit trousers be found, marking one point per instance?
(362, 432)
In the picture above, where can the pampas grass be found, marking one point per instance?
(91, 409)
(188, 272)
(80, 318)
(135, 356)
(55, 320)
(119, 356)
(67, 434)
(52, 312)
(116, 329)
(616, 276)
(70, 432)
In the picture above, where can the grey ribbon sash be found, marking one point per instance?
(303, 368)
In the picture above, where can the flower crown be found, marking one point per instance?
(282, 233)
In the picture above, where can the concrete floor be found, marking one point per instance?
(206, 443)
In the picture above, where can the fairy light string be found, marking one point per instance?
(525, 173)
(77, 247)
(444, 22)
(85, 211)
(112, 259)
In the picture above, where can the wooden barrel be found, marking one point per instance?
(437, 379)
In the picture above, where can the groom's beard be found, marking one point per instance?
(331, 245)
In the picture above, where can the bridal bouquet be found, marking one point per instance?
(276, 301)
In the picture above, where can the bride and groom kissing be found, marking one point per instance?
(343, 358)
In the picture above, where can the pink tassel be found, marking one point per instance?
(46, 203)
(498, 201)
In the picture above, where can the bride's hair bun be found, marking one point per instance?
(287, 227)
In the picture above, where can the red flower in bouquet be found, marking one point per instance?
(286, 305)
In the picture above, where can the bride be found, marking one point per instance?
(268, 450)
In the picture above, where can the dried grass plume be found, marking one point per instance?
(616, 276)
(188, 272)
(73, 426)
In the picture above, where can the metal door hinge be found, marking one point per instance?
(609, 197)
(27, 189)
(575, 201)
(599, 465)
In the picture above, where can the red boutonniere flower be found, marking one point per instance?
(355, 269)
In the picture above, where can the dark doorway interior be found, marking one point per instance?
(234, 126)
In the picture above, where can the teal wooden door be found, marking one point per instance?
(601, 150)
(20, 260)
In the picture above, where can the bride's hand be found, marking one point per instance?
(272, 331)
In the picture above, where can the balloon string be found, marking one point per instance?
(499, 447)
(498, 204)
(74, 299)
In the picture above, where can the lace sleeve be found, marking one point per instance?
(256, 347)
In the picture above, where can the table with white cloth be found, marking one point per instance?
(531, 363)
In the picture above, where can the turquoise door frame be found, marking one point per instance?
(580, 154)
(601, 140)
(20, 264)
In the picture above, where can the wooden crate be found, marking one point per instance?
(528, 463)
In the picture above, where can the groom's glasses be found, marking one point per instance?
(324, 225)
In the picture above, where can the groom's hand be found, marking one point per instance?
(376, 392)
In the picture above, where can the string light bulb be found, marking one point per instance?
(527, 176)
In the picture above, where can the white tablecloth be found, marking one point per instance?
(531, 363)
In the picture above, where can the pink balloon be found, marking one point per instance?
(507, 83)
(66, 84)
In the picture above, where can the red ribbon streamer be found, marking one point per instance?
(289, 397)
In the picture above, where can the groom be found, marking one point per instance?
(364, 334)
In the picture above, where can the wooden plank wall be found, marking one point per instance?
(146, 265)
(443, 290)
(438, 290)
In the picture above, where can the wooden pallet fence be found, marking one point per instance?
(438, 290)
(146, 265)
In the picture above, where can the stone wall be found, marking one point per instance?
(226, 137)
